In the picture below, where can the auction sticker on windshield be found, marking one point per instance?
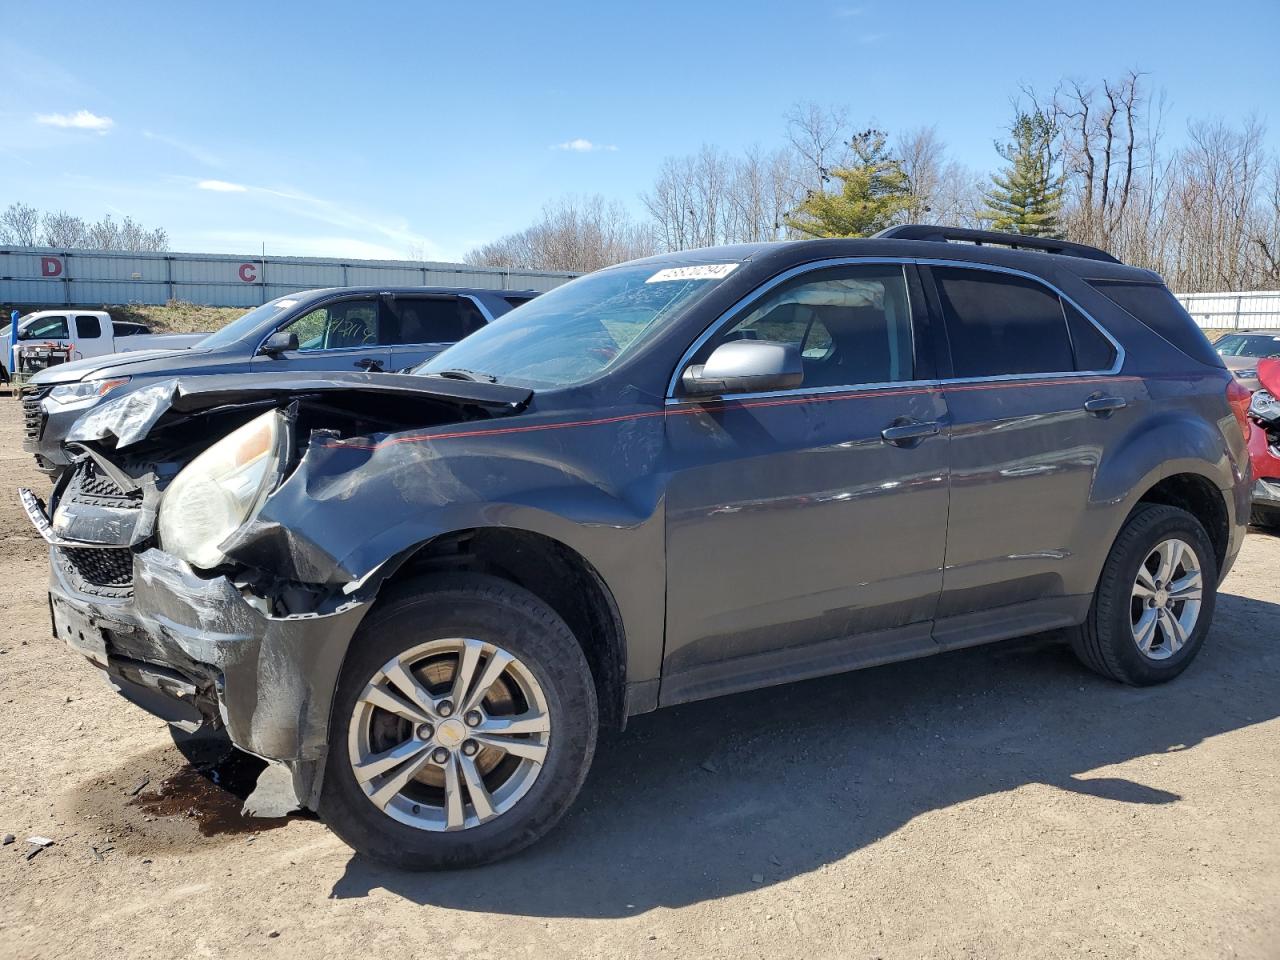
(702, 271)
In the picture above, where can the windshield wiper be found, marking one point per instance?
(459, 373)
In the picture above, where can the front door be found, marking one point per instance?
(806, 529)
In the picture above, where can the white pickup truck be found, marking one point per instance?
(47, 337)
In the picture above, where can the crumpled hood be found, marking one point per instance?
(130, 418)
(122, 364)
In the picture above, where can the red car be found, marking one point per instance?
(1264, 444)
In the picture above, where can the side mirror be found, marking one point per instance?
(745, 366)
(282, 341)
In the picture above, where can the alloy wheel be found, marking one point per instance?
(1166, 598)
(449, 734)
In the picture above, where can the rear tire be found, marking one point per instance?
(1125, 611)
(436, 628)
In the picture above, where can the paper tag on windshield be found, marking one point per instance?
(703, 271)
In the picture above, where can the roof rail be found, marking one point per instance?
(925, 231)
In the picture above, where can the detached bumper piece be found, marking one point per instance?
(1266, 492)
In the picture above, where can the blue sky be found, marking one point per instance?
(374, 129)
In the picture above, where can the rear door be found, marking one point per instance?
(344, 334)
(416, 328)
(1035, 399)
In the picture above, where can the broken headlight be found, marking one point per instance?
(1264, 406)
(220, 490)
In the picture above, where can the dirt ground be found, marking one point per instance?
(998, 802)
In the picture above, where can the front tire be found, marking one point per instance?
(463, 726)
(1267, 518)
(1154, 601)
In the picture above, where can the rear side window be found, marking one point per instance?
(517, 301)
(1157, 308)
(88, 328)
(431, 319)
(1001, 325)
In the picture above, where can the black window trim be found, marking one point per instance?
(673, 397)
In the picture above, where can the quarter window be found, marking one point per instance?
(1002, 325)
(852, 325)
(88, 328)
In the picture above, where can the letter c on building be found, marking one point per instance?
(248, 272)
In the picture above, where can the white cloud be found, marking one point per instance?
(582, 145)
(222, 186)
(80, 120)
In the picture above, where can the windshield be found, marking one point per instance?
(241, 326)
(1238, 345)
(576, 331)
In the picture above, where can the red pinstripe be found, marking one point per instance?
(697, 406)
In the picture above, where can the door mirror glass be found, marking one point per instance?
(282, 341)
(745, 366)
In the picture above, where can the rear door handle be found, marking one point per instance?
(370, 364)
(1105, 405)
(904, 434)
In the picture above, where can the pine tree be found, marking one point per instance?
(874, 193)
(1026, 197)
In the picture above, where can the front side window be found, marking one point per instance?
(1003, 325)
(852, 325)
(46, 328)
(580, 329)
(337, 326)
(1248, 345)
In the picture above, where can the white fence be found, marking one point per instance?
(34, 276)
(1234, 311)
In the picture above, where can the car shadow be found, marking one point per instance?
(710, 799)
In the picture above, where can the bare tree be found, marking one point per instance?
(61, 229)
(820, 137)
(942, 191)
(19, 225)
(578, 234)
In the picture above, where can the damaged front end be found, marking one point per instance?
(158, 572)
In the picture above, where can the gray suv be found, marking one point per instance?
(420, 596)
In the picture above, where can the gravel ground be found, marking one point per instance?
(997, 802)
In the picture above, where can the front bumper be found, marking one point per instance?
(193, 650)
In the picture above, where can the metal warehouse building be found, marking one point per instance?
(35, 275)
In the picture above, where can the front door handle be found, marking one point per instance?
(906, 434)
(1103, 406)
(369, 364)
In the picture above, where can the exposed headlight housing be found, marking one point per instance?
(221, 490)
(85, 392)
(1264, 406)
